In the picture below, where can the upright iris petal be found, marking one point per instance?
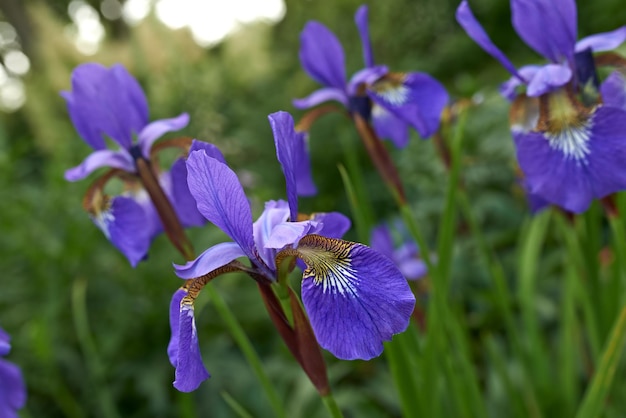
(355, 297)
(109, 101)
(549, 27)
(414, 99)
(221, 198)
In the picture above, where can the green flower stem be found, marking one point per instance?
(575, 256)
(331, 405)
(89, 348)
(247, 349)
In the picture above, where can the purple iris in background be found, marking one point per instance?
(109, 103)
(393, 101)
(12, 388)
(406, 255)
(569, 130)
(355, 297)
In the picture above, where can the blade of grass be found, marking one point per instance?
(598, 390)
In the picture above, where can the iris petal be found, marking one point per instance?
(613, 90)
(12, 389)
(548, 78)
(322, 55)
(388, 126)
(154, 130)
(360, 18)
(416, 98)
(571, 176)
(355, 297)
(285, 141)
(333, 224)
(221, 198)
(549, 27)
(466, 19)
(190, 370)
(98, 159)
(125, 224)
(320, 96)
(211, 259)
(606, 41)
(184, 203)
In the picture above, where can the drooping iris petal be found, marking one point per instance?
(12, 390)
(124, 224)
(285, 141)
(154, 130)
(220, 198)
(211, 259)
(466, 19)
(322, 56)
(548, 78)
(613, 90)
(355, 297)
(320, 96)
(606, 41)
(172, 346)
(388, 126)
(360, 18)
(333, 224)
(98, 159)
(549, 27)
(5, 342)
(577, 165)
(416, 98)
(190, 370)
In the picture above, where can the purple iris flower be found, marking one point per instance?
(108, 102)
(406, 255)
(571, 147)
(355, 297)
(12, 388)
(393, 101)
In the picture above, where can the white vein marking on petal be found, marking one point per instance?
(189, 308)
(102, 220)
(572, 141)
(331, 267)
(378, 111)
(396, 96)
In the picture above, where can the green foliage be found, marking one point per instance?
(90, 332)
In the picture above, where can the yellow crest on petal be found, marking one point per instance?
(392, 89)
(329, 263)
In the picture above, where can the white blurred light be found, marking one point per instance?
(111, 9)
(17, 62)
(210, 21)
(12, 95)
(8, 35)
(134, 11)
(88, 32)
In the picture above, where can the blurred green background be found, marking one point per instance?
(58, 272)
